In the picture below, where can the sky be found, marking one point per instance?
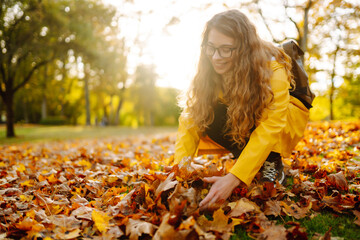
(174, 49)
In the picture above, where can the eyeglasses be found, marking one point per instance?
(224, 52)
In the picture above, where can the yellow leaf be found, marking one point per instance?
(109, 146)
(52, 179)
(21, 168)
(101, 220)
(179, 179)
(31, 213)
(28, 183)
(84, 163)
(2, 164)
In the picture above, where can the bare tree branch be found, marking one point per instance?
(28, 76)
(264, 20)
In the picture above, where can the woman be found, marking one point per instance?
(239, 102)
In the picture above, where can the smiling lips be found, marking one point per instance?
(219, 65)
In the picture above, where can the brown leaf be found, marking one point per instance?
(242, 206)
(166, 185)
(338, 181)
(167, 232)
(272, 208)
(68, 223)
(63, 234)
(83, 213)
(296, 232)
(357, 214)
(136, 228)
(275, 232)
(334, 202)
(294, 210)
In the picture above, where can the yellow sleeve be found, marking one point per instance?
(187, 139)
(267, 133)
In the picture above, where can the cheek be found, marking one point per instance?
(231, 64)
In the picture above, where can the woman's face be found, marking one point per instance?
(219, 49)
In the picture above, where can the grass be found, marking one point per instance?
(342, 226)
(38, 133)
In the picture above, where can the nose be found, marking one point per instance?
(216, 55)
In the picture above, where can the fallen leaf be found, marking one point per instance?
(242, 206)
(294, 210)
(272, 208)
(275, 232)
(357, 214)
(338, 181)
(136, 228)
(83, 213)
(101, 220)
(166, 185)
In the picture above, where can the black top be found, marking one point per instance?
(218, 133)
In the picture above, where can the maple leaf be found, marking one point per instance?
(272, 208)
(219, 223)
(167, 184)
(63, 234)
(136, 228)
(65, 222)
(242, 206)
(338, 181)
(166, 231)
(294, 210)
(101, 220)
(83, 212)
(275, 232)
(30, 225)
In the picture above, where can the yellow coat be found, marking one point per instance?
(279, 130)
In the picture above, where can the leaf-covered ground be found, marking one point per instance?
(122, 189)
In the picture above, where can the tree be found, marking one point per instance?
(145, 96)
(35, 33)
(334, 44)
(23, 37)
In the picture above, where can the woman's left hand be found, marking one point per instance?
(220, 190)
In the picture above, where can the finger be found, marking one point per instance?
(207, 199)
(213, 200)
(210, 179)
(213, 203)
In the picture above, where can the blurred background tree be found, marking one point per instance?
(67, 62)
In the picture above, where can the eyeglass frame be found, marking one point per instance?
(218, 49)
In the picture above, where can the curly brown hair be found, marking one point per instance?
(246, 88)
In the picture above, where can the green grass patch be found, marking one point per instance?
(342, 225)
(37, 133)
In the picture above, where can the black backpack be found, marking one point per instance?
(302, 90)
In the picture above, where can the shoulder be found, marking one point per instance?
(279, 79)
(274, 65)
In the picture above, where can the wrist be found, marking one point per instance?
(235, 180)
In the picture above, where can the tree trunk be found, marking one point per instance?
(332, 88)
(44, 108)
(44, 100)
(87, 98)
(303, 43)
(10, 131)
(118, 108)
